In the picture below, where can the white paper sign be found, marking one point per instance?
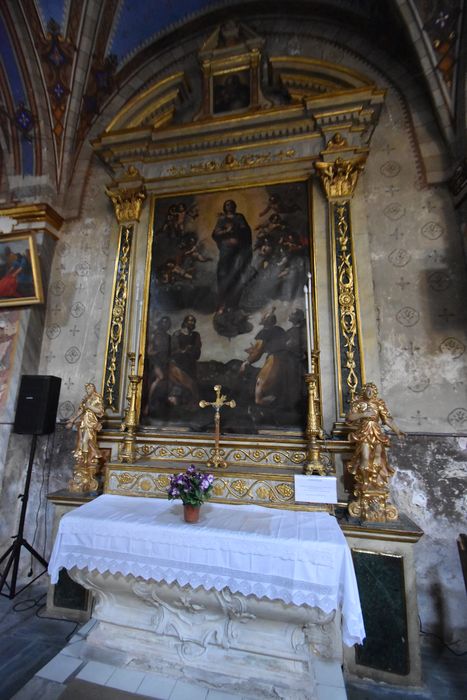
(315, 489)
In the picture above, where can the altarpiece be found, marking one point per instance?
(217, 233)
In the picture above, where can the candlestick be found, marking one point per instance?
(307, 321)
(139, 316)
(310, 311)
(127, 449)
(313, 463)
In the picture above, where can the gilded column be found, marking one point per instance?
(127, 202)
(339, 177)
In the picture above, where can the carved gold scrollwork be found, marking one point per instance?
(240, 487)
(162, 482)
(202, 454)
(346, 300)
(112, 372)
(263, 493)
(127, 203)
(339, 178)
(125, 478)
(285, 491)
(231, 488)
(218, 489)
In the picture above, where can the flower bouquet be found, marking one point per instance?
(193, 487)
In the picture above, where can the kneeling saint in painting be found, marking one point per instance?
(186, 351)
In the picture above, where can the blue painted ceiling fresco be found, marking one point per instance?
(139, 20)
(11, 68)
(22, 119)
(52, 9)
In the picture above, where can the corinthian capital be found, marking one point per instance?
(339, 177)
(127, 203)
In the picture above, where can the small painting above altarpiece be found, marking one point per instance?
(225, 305)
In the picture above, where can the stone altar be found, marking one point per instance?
(223, 636)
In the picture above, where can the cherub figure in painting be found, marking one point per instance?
(277, 205)
(273, 229)
(171, 272)
(192, 249)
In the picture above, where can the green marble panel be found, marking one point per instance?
(381, 586)
(68, 594)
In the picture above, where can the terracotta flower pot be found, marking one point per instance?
(191, 513)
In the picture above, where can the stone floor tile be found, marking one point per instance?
(87, 627)
(330, 692)
(39, 688)
(124, 679)
(155, 686)
(328, 673)
(187, 691)
(96, 672)
(74, 648)
(219, 695)
(59, 668)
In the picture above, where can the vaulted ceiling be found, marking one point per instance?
(63, 60)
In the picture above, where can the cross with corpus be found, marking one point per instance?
(216, 460)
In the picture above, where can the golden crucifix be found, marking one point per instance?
(216, 460)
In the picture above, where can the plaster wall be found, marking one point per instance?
(412, 282)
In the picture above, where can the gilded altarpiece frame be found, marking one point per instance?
(186, 259)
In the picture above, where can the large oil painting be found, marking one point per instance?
(20, 279)
(226, 306)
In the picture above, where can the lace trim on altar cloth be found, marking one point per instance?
(273, 587)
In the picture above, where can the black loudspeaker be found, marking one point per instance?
(36, 409)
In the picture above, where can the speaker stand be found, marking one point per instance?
(13, 553)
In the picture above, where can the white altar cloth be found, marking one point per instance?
(298, 557)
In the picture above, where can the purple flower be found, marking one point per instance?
(192, 486)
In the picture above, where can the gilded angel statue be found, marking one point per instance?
(87, 453)
(367, 415)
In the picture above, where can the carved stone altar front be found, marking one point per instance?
(238, 643)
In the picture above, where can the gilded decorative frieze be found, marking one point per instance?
(113, 363)
(233, 455)
(253, 488)
(231, 162)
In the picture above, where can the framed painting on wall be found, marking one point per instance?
(224, 304)
(20, 278)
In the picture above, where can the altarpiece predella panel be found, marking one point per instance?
(225, 305)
